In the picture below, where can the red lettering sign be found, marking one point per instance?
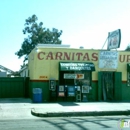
(79, 54)
(71, 56)
(58, 56)
(122, 58)
(67, 56)
(128, 58)
(40, 55)
(49, 56)
(86, 57)
(94, 57)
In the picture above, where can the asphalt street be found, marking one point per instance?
(16, 115)
(66, 123)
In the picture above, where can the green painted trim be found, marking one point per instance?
(92, 96)
(125, 92)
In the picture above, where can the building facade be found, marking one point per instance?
(68, 74)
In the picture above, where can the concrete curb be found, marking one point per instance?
(84, 113)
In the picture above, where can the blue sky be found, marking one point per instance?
(83, 22)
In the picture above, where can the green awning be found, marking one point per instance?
(128, 67)
(76, 66)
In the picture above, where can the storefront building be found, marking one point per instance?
(67, 74)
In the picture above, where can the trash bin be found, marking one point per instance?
(37, 95)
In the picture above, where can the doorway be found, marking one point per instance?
(108, 86)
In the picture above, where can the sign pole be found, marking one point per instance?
(104, 43)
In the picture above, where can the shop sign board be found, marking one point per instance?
(108, 59)
(73, 76)
(76, 66)
(114, 39)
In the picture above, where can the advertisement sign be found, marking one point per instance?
(61, 91)
(73, 76)
(114, 39)
(108, 59)
(61, 94)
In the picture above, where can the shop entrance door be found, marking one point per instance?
(109, 86)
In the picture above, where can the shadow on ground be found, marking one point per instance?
(68, 104)
(15, 100)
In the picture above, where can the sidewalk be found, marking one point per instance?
(65, 109)
(21, 107)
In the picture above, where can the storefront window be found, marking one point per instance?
(66, 81)
(75, 78)
(86, 80)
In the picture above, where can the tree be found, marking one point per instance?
(37, 34)
(127, 48)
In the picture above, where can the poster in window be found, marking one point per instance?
(85, 89)
(61, 94)
(61, 88)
